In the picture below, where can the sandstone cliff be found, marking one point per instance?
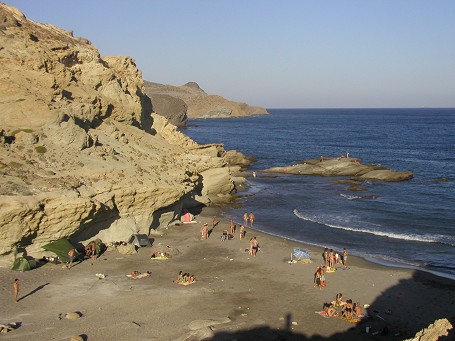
(167, 101)
(82, 155)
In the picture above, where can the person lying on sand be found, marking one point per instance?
(160, 255)
(330, 310)
(184, 279)
(138, 275)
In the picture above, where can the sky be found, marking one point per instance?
(277, 54)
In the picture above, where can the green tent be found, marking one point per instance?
(60, 248)
(23, 264)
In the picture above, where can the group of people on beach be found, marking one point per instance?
(184, 278)
(331, 257)
(345, 309)
(90, 251)
(248, 217)
(253, 247)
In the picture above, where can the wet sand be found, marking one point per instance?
(236, 296)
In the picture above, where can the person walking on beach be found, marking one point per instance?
(71, 258)
(245, 219)
(251, 218)
(345, 257)
(242, 231)
(16, 289)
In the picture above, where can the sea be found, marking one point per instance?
(406, 224)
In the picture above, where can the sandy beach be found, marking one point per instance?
(236, 296)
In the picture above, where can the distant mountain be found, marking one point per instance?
(177, 103)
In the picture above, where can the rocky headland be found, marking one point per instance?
(178, 103)
(82, 153)
(342, 166)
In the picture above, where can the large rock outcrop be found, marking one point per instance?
(82, 156)
(439, 330)
(167, 102)
(343, 167)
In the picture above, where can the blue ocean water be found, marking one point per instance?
(410, 224)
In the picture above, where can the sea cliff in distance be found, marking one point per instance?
(178, 103)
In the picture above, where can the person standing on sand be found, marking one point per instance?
(93, 254)
(251, 218)
(254, 246)
(330, 259)
(345, 257)
(317, 278)
(242, 231)
(232, 228)
(325, 256)
(205, 231)
(245, 219)
(16, 289)
(71, 258)
(213, 222)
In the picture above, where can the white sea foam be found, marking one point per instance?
(424, 238)
(350, 197)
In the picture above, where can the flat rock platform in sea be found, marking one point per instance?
(343, 167)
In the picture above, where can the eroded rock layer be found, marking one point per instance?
(82, 156)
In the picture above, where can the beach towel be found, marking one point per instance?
(160, 257)
(186, 283)
(323, 314)
(353, 319)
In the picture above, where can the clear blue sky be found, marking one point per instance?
(277, 54)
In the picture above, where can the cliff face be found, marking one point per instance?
(198, 103)
(81, 154)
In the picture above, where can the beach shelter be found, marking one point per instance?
(299, 254)
(23, 264)
(60, 248)
(187, 217)
(139, 240)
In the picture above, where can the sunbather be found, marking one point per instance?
(330, 310)
(358, 309)
(185, 278)
(347, 310)
(338, 300)
(159, 254)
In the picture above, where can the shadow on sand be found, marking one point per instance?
(397, 314)
(32, 292)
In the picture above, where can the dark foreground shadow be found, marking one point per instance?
(399, 313)
(33, 291)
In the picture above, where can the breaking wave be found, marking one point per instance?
(425, 238)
